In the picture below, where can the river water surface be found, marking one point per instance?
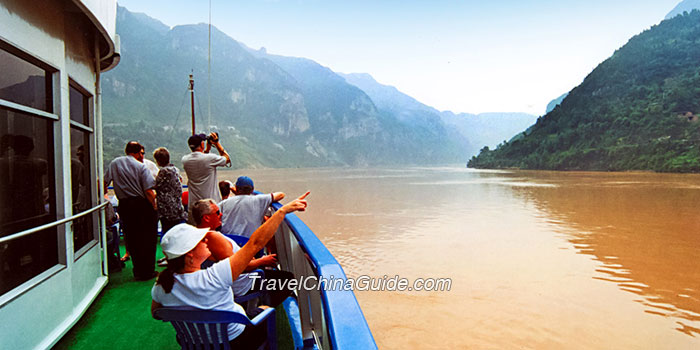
(543, 260)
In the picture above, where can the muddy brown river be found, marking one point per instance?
(537, 260)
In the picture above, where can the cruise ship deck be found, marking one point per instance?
(55, 285)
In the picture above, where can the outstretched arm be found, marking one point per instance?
(277, 196)
(221, 248)
(259, 238)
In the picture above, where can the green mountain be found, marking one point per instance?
(555, 102)
(269, 110)
(636, 111)
(683, 6)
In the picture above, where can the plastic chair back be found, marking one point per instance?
(241, 241)
(208, 329)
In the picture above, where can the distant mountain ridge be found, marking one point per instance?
(638, 110)
(488, 129)
(270, 110)
(477, 131)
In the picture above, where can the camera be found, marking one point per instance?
(211, 139)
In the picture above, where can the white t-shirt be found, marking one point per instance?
(152, 167)
(201, 175)
(208, 289)
(243, 283)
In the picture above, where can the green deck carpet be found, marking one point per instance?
(120, 318)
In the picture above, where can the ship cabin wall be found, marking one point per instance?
(38, 304)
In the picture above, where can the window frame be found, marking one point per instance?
(52, 95)
(51, 77)
(88, 108)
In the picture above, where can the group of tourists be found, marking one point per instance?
(205, 268)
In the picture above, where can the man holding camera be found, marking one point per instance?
(200, 166)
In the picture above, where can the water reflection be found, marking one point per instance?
(643, 229)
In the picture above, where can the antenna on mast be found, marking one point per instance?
(209, 76)
(192, 100)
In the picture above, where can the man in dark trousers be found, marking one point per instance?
(133, 185)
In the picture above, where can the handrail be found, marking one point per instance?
(52, 224)
(346, 324)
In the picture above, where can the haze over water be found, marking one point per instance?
(544, 260)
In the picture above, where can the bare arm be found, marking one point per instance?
(219, 246)
(277, 196)
(219, 147)
(222, 152)
(259, 238)
(267, 260)
(151, 196)
(154, 306)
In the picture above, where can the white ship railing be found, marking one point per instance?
(330, 319)
(52, 224)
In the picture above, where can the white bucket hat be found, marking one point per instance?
(181, 239)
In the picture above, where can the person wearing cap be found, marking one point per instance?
(243, 213)
(207, 215)
(133, 185)
(184, 283)
(200, 166)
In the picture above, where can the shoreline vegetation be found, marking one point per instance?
(638, 110)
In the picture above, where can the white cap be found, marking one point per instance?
(181, 239)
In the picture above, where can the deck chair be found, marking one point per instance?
(208, 329)
(250, 301)
(241, 241)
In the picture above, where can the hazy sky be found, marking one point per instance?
(464, 56)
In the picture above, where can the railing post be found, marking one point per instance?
(282, 241)
(300, 271)
(321, 312)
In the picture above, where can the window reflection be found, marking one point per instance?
(24, 83)
(83, 230)
(27, 196)
(79, 110)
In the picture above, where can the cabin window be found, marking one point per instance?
(84, 230)
(23, 82)
(27, 183)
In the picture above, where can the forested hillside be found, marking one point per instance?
(270, 111)
(638, 110)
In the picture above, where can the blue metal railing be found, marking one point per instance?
(329, 318)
